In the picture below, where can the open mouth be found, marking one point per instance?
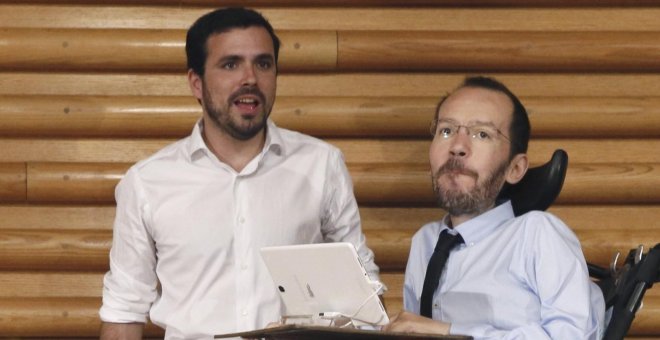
(247, 103)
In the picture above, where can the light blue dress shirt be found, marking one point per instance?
(514, 278)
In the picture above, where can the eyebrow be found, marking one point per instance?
(236, 57)
(473, 123)
(265, 56)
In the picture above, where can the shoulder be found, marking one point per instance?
(171, 152)
(429, 231)
(160, 160)
(544, 227)
(296, 141)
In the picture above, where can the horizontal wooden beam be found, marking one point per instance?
(150, 50)
(96, 184)
(584, 184)
(101, 217)
(55, 250)
(87, 250)
(173, 117)
(145, 50)
(578, 52)
(54, 317)
(44, 316)
(377, 151)
(642, 85)
(361, 3)
(626, 18)
(375, 184)
(56, 217)
(13, 182)
(584, 220)
(51, 284)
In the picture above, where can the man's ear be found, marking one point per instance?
(517, 168)
(196, 84)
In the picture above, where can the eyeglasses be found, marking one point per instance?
(479, 132)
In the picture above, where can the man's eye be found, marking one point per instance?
(229, 66)
(482, 134)
(265, 65)
(446, 132)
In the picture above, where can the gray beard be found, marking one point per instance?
(476, 201)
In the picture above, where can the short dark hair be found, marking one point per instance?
(520, 128)
(219, 21)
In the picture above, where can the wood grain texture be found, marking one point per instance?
(87, 250)
(13, 182)
(99, 85)
(374, 184)
(54, 317)
(56, 217)
(380, 151)
(152, 50)
(78, 314)
(602, 18)
(577, 52)
(144, 50)
(71, 182)
(567, 85)
(360, 3)
(59, 250)
(326, 117)
(585, 184)
(376, 219)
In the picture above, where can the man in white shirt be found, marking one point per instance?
(504, 277)
(191, 219)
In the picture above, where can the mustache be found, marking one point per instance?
(247, 90)
(455, 165)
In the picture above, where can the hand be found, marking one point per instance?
(406, 322)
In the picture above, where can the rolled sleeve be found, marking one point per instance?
(129, 287)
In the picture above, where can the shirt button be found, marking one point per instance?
(241, 220)
(244, 266)
(244, 312)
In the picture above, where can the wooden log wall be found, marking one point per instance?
(88, 87)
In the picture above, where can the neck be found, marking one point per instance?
(455, 220)
(234, 152)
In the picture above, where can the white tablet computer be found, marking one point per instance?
(322, 280)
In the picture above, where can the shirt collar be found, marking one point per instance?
(476, 229)
(197, 146)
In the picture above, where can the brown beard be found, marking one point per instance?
(476, 201)
(221, 118)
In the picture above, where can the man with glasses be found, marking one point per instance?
(481, 271)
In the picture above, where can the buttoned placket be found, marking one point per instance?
(243, 243)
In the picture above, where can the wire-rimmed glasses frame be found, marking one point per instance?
(480, 132)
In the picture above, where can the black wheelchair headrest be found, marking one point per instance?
(539, 187)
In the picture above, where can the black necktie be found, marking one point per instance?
(446, 242)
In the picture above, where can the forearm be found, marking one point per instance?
(121, 331)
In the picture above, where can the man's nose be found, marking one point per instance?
(460, 143)
(249, 76)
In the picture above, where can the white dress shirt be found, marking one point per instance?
(188, 230)
(514, 278)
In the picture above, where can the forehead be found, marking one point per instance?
(253, 40)
(469, 105)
